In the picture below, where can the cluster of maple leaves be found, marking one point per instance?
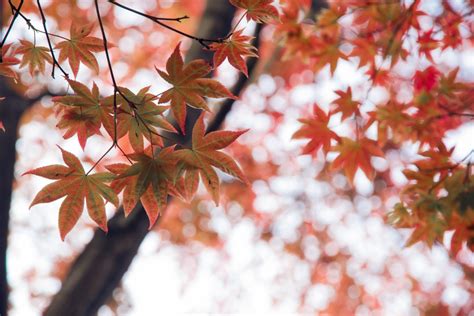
(155, 170)
(439, 196)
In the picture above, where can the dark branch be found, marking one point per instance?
(158, 20)
(55, 61)
(9, 27)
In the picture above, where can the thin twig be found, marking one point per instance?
(100, 159)
(30, 25)
(55, 61)
(158, 20)
(118, 90)
(9, 27)
(236, 25)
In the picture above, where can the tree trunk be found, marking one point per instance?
(11, 110)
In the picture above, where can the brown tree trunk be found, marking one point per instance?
(11, 110)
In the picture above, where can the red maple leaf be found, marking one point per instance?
(261, 11)
(316, 129)
(356, 154)
(426, 79)
(346, 104)
(234, 49)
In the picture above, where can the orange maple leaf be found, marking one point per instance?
(345, 104)
(204, 155)
(84, 113)
(234, 49)
(327, 52)
(356, 154)
(261, 11)
(189, 86)
(34, 56)
(80, 47)
(316, 129)
(140, 117)
(74, 184)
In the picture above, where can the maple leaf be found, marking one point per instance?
(204, 155)
(390, 118)
(356, 154)
(140, 117)
(7, 62)
(430, 231)
(189, 86)
(84, 113)
(327, 53)
(448, 85)
(400, 217)
(345, 104)
(34, 56)
(365, 50)
(427, 44)
(460, 235)
(80, 47)
(149, 180)
(261, 11)
(426, 79)
(74, 184)
(234, 49)
(316, 129)
(437, 160)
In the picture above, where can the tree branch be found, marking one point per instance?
(201, 40)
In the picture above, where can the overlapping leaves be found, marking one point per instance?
(205, 154)
(139, 117)
(147, 180)
(83, 113)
